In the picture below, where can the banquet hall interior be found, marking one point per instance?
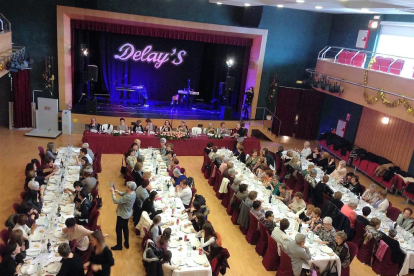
(157, 91)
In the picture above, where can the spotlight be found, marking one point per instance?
(385, 120)
(247, 4)
(84, 50)
(230, 62)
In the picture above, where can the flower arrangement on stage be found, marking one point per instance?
(215, 136)
(116, 133)
(172, 135)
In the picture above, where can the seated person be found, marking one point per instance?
(74, 194)
(310, 177)
(83, 210)
(174, 165)
(397, 255)
(307, 214)
(279, 234)
(163, 148)
(12, 260)
(292, 167)
(51, 151)
(340, 172)
(135, 148)
(336, 200)
(323, 162)
(257, 210)
(223, 164)
(315, 219)
(297, 203)
(242, 193)
(326, 232)
(131, 160)
(382, 203)
(166, 127)
(320, 189)
(182, 128)
(184, 193)
(252, 160)
(236, 184)
(21, 224)
(222, 130)
(261, 172)
(167, 267)
(72, 264)
(373, 228)
(213, 154)
(341, 249)
(178, 176)
(208, 148)
(208, 236)
(331, 165)
(260, 162)
(306, 151)
(210, 129)
(148, 205)
(31, 212)
(137, 173)
(370, 194)
(94, 125)
(122, 126)
(251, 197)
(349, 211)
(285, 195)
(405, 220)
(138, 127)
(347, 179)
(89, 181)
(315, 156)
(231, 174)
(364, 218)
(355, 186)
(149, 127)
(242, 155)
(218, 160)
(269, 160)
(84, 153)
(308, 170)
(298, 253)
(268, 221)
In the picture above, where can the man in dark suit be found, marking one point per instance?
(84, 209)
(397, 256)
(364, 218)
(320, 189)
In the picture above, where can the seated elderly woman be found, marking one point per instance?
(252, 160)
(236, 183)
(251, 197)
(310, 177)
(51, 151)
(231, 174)
(297, 203)
(341, 249)
(268, 221)
(373, 229)
(382, 203)
(163, 147)
(213, 154)
(308, 170)
(178, 176)
(285, 195)
(336, 200)
(223, 164)
(172, 166)
(349, 211)
(210, 129)
(340, 172)
(131, 160)
(257, 209)
(218, 160)
(90, 152)
(293, 166)
(370, 194)
(326, 232)
(405, 220)
(315, 219)
(230, 165)
(397, 255)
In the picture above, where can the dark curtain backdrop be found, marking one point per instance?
(309, 114)
(286, 110)
(22, 99)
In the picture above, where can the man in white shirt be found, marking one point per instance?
(184, 193)
(280, 236)
(306, 150)
(84, 153)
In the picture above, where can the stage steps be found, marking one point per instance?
(263, 127)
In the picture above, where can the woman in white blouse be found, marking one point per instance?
(167, 268)
(21, 224)
(370, 195)
(340, 172)
(208, 236)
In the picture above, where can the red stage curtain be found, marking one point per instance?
(165, 33)
(22, 99)
(288, 100)
(309, 114)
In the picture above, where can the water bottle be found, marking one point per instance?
(189, 249)
(270, 198)
(48, 245)
(39, 269)
(156, 170)
(55, 222)
(311, 237)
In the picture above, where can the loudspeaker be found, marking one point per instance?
(252, 16)
(91, 106)
(230, 83)
(92, 73)
(226, 112)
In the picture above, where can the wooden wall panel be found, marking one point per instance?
(394, 141)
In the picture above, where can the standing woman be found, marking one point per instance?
(101, 258)
(123, 212)
(340, 172)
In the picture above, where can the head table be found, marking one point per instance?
(193, 146)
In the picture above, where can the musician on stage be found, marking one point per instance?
(138, 127)
(94, 125)
(182, 128)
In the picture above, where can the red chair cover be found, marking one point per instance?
(2, 248)
(213, 175)
(285, 268)
(357, 163)
(358, 238)
(376, 65)
(363, 166)
(353, 250)
(229, 210)
(407, 194)
(41, 154)
(262, 242)
(386, 266)
(23, 195)
(93, 220)
(282, 171)
(226, 197)
(16, 207)
(72, 245)
(253, 234)
(299, 183)
(4, 235)
(271, 259)
(278, 162)
(359, 60)
(193, 192)
(385, 64)
(393, 213)
(291, 182)
(207, 173)
(391, 183)
(365, 252)
(371, 168)
(203, 167)
(306, 188)
(218, 180)
(397, 181)
(236, 213)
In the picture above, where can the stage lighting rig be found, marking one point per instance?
(84, 50)
(230, 62)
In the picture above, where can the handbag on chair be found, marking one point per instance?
(123, 168)
(331, 270)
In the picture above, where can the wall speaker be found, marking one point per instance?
(252, 16)
(92, 73)
(230, 84)
(91, 106)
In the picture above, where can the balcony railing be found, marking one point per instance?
(396, 65)
(5, 25)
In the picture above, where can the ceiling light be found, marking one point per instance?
(246, 4)
(219, 3)
(280, 6)
(385, 120)
(300, 1)
(318, 7)
(365, 10)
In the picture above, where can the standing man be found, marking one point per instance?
(123, 212)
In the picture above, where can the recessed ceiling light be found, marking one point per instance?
(219, 3)
(300, 1)
(280, 6)
(318, 7)
(365, 10)
(247, 4)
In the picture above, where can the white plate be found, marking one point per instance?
(28, 269)
(33, 252)
(200, 259)
(35, 245)
(178, 261)
(326, 249)
(195, 242)
(58, 234)
(187, 230)
(36, 237)
(67, 208)
(62, 219)
(173, 244)
(53, 267)
(47, 209)
(49, 197)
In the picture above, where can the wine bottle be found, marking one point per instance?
(300, 227)
(48, 245)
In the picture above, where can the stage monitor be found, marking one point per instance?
(92, 73)
(91, 106)
(230, 84)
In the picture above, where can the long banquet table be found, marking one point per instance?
(191, 147)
